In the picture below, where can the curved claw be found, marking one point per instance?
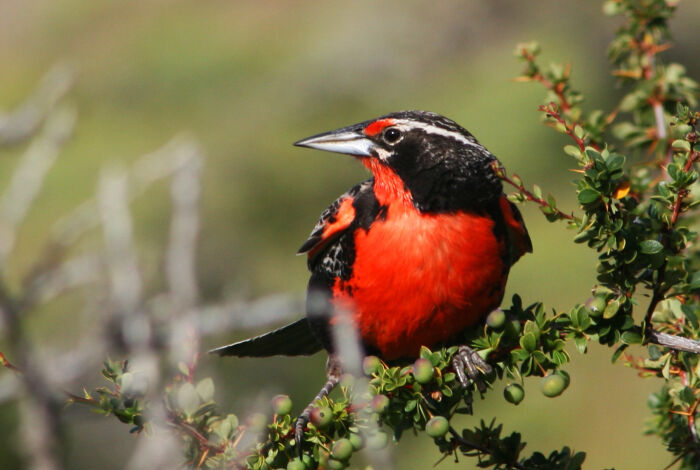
(333, 372)
(302, 420)
(468, 359)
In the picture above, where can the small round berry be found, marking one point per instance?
(356, 440)
(296, 464)
(437, 426)
(378, 440)
(514, 393)
(335, 464)
(282, 405)
(596, 305)
(321, 417)
(496, 319)
(342, 449)
(371, 365)
(513, 327)
(380, 403)
(565, 375)
(423, 371)
(553, 385)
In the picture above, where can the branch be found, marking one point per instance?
(23, 122)
(501, 173)
(677, 343)
(692, 158)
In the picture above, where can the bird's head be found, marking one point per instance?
(438, 163)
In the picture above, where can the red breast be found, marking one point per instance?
(420, 278)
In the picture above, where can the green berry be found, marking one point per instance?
(342, 449)
(513, 328)
(296, 464)
(514, 393)
(371, 365)
(564, 374)
(321, 417)
(335, 464)
(423, 371)
(378, 441)
(553, 385)
(496, 319)
(356, 441)
(380, 403)
(282, 405)
(596, 305)
(437, 426)
(308, 461)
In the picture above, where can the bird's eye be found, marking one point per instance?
(392, 135)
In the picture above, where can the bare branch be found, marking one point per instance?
(143, 173)
(184, 228)
(29, 176)
(265, 311)
(23, 122)
(125, 278)
(75, 272)
(180, 265)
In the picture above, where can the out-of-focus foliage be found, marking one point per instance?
(148, 70)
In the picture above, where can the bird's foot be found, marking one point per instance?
(333, 373)
(466, 359)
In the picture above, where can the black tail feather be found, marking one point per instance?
(295, 339)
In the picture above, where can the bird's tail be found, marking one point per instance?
(295, 339)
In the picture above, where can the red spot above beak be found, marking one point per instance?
(377, 126)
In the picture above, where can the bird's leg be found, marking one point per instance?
(468, 359)
(333, 373)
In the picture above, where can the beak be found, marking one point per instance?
(348, 140)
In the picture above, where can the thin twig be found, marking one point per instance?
(501, 173)
(692, 158)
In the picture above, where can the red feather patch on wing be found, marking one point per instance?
(517, 232)
(333, 221)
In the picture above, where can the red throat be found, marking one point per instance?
(388, 187)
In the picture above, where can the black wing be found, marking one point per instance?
(295, 339)
(334, 220)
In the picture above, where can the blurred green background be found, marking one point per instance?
(248, 79)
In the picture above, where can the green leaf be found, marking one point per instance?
(205, 389)
(572, 150)
(686, 394)
(631, 337)
(528, 342)
(650, 247)
(681, 144)
(695, 281)
(537, 191)
(611, 309)
(618, 352)
(187, 398)
(587, 196)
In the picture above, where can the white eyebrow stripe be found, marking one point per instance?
(406, 125)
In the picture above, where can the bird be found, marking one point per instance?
(416, 255)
